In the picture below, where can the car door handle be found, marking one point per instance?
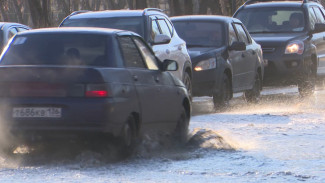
(135, 77)
(157, 79)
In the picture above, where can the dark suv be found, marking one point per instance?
(152, 24)
(292, 38)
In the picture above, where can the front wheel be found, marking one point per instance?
(221, 100)
(188, 84)
(306, 86)
(253, 95)
(181, 130)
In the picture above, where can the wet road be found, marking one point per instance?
(281, 139)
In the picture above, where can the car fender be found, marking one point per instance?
(187, 66)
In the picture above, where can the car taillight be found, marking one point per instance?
(96, 90)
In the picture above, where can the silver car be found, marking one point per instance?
(152, 24)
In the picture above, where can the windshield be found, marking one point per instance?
(201, 33)
(58, 49)
(272, 20)
(134, 24)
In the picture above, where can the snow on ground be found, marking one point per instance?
(281, 139)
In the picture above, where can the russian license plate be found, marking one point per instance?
(36, 112)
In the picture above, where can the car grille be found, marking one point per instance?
(268, 50)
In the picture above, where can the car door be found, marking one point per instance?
(244, 67)
(173, 50)
(149, 82)
(317, 16)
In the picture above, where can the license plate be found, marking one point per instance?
(37, 112)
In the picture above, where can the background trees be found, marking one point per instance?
(49, 13)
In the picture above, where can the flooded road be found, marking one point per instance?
(281, 139)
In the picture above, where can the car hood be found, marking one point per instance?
(276, 39)
(198, 51)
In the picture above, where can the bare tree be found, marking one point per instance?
(39, 10)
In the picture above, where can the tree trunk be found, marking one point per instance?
(4, 14)
(18, 11)
(141, 4)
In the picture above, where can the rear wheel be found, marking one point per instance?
(181, 130)
(188, 84)
(128, 138)
(221, 100)
(253, 95)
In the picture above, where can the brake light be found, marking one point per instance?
(98, 93)
(96, 90)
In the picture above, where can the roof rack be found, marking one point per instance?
(152, 9)
(256, 1)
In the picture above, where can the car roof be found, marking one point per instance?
(218, 18)
(116, 13)
(285, 4)
(93, 30)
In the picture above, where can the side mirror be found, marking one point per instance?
(237, 46)
(319, 27)
(169, 65)
(161, 39)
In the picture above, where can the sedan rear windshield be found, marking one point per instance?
(59, 49)
(134, 24)
(273, 20)
(201, 33)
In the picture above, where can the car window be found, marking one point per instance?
(148, 56)
(312, 18)
(60, 49)
(170, 26)
(12, 32)
(272, 20)
(232, 34)
(319, 15)
(201, 33)
(131, 54)
(242, 36)
(154, 28)
(164, 27)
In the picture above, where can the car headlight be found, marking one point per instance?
(210, 63)
(295, 47)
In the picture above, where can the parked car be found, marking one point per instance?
(89, 81)
(8, 30)
(224, 56)
(152, 24)
(292, 38)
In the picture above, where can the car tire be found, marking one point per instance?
(221, 100)
(306, 86)
(128, 138)
(181, 131)
(188, 84)
(253, 95)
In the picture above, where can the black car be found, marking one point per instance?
(292, 38)
(89, 81)
(8, 30)
(225, 59)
